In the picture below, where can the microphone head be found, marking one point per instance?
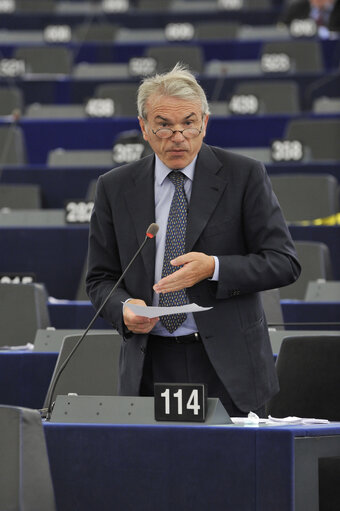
(152, 230)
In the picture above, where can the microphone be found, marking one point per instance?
(46, 412)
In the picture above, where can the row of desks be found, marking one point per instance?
(57, 254)
(189, 468)
(165, 467)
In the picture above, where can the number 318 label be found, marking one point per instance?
(184, 402)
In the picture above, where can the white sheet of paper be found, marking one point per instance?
(156, 312)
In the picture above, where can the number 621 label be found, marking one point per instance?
(183, 402)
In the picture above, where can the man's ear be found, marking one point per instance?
(143, 128)
(205, 122)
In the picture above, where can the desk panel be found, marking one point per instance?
(55, 254)
(60, 183)
(73, 314)
(25, 377)
(182, 468)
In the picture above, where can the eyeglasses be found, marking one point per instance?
(168, 132)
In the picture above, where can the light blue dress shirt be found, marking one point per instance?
(164, 190)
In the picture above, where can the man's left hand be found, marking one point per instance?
(196, 266)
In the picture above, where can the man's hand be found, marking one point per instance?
(196, 267)
(137, 324)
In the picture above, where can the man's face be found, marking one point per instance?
(321, 3)
(177, 151)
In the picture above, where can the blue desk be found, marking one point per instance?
(57, 254)
(25, 377)
(54, 192)
(70, 90)
(44, 135)
(187, 468)
(73, 314)
(233, 49)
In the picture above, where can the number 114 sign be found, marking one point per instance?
(183, 402)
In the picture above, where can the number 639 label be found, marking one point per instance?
(183, 402)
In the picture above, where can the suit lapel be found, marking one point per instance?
(206, 192)
(141, 206)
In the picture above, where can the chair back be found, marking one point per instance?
(309, 378)
(315, 261)
(23, 310)
(93, 368)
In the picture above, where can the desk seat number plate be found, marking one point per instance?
(182, 402)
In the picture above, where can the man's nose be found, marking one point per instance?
(178, 135)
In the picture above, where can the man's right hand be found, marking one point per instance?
(137, 324)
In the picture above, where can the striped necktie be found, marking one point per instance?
(174, 247)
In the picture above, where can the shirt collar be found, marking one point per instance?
(161, 170)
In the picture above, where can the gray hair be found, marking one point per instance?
(179, 82)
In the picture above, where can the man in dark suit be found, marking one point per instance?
(326, 13)
(236, 245)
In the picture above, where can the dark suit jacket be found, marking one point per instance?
(301, 10)
(233, 214)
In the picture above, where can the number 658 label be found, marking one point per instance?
(184, 402)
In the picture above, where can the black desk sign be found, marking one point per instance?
(183, 402)
(78, 211)
(287, 150)
(17, 278)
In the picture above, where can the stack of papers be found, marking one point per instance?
(28, 346)
(295, 420)
(155, 312)
(254, 420)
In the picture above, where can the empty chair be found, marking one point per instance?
(277, 336)
(319, 136)
(14, 196)
(52, 111)
(305, 56)
(11, 100)
(94, 31)
(79, 158)
(100, 70)
(274, 96)
(309, 378)
(258, 153)
(45, 59)
(272, 307)
(326, 105)
(81, 294)
(258, 5)
(140, 35)
(323, 291)
(23, 310)
(167, 57)
(306, 196)
(263, 32)
(216, 67)
(32, 218)
(21, 36)
(12, 145)
(123, 95)
(51, 339)
(315, 263)
(32, 6)
(93, 368)
(25, 481)
(216, 30)
(91, 190)
(153, 5)
(219, 108)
